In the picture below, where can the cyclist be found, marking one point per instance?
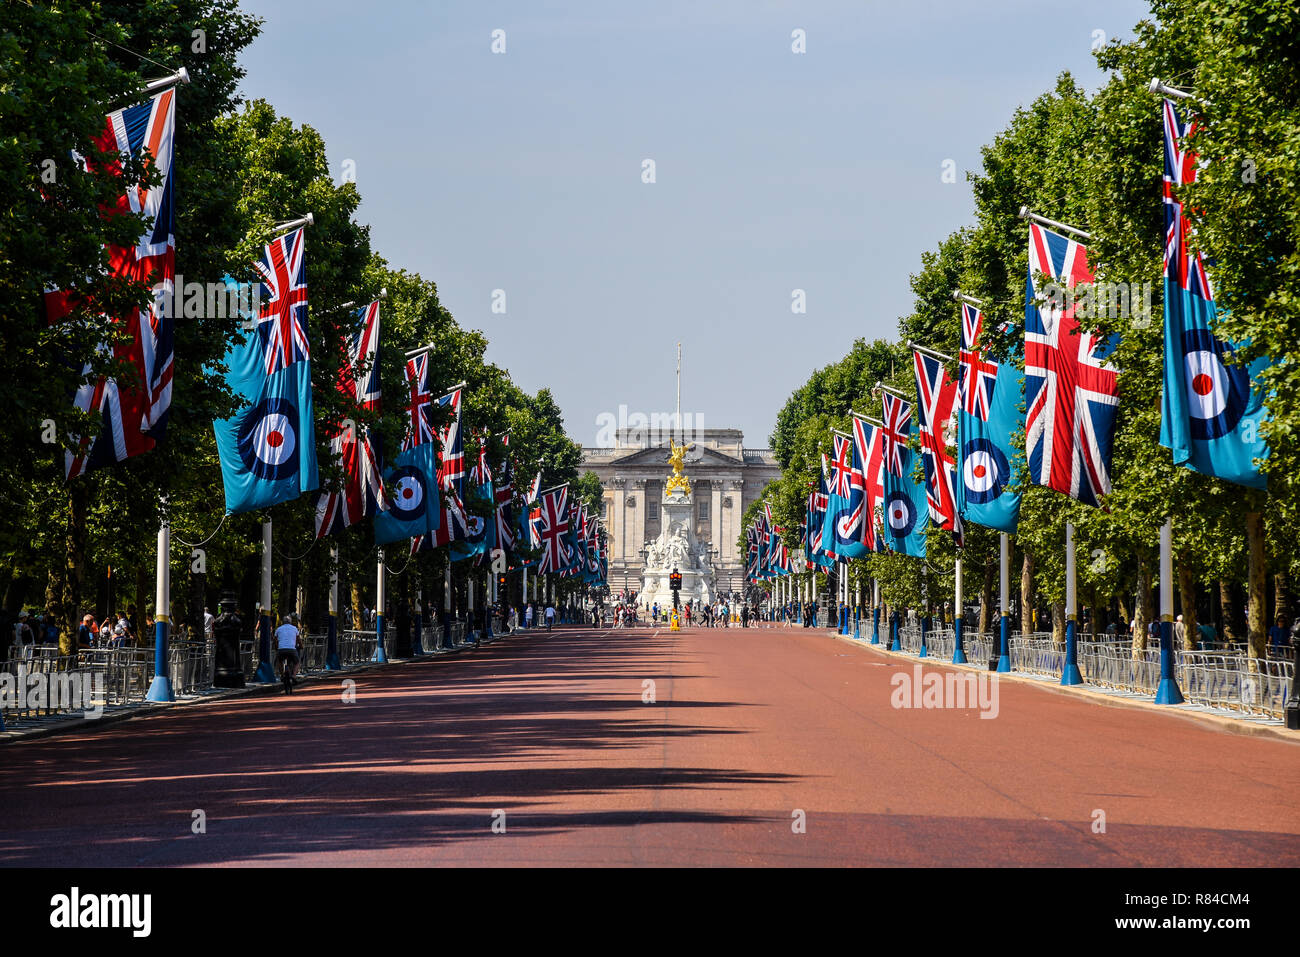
(288, 639)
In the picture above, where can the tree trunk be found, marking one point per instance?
(1187, 596)
(1227, 611)
(1256, 603)
(986, 596)
(141, 590)
(1124, 616)
(1027, 595)
(1144, 609)
(74, 578)
(356, 606)
(1058, 624)
(1281, 601)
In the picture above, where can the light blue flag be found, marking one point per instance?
(414, 508)
(268, 449)
(985, 454)
(1210, 411)
(906, 513)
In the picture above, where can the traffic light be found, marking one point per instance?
(501, 583)
(675, 581)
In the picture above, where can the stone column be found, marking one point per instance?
(715, 516)
(638, 525)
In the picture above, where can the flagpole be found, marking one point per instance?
(1070, 673)
(380, 657)
(1157, 87)
(875, 611)
(958, 650)
(959, 296)
(180, 78)
(881, 387)
(332, 662)
(1004, 648)
(1167, 692)
(446, 605)
(265, 668)
(287, 227)
(1027, 213)
(160, 689)
(929, 352)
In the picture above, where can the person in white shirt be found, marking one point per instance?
(550, 616)
(287, 640)
(208, 621)
(528, 616)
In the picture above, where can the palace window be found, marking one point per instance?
(704, 509)
(653, 511)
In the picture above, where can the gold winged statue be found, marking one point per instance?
(676, 458)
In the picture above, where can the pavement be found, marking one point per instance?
(758, 746)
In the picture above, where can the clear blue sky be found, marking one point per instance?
(775, 171)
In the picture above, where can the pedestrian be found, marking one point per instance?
(550, 616)
(209, 620)
(1279, 635)
(1180, 632)
(24, 639)
(528, 616)
(86, 633)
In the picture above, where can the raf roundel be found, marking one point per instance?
(901, 514)
(1217, 393)
(407, 484)
(984, 471)
(268, 440)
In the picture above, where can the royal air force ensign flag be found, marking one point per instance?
(1209, 411)
(906, 512)
(989, 396)
(268, 449)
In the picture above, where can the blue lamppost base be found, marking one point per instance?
(332, 662)
(1004, 663)
(161, 689)
(417, 646)
(380, 657)
(959, 656)
(265, 669)
(1070, 675)
(1167, 692)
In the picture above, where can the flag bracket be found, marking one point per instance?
(180, 78)
(1157, 87)
(1027, 213)
(929, 352)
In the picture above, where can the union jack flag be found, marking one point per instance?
(1180, 169)
(134, 411)
(533, 490)
(505, 498)
(978, 375)
(1071, 392)
(362, 493)
(868, 454)
(896, 429)
(282, 323)
(818, 502)
(936, 394)
(451, 461)
(419, 408)
(841, 475)
(553, 526)
(751, 553)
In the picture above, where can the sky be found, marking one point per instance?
(516, 180)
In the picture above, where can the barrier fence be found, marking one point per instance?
(123, 675)
(1227, 678)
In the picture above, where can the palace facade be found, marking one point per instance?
(725, 478)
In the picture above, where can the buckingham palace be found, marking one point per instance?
(725, 478)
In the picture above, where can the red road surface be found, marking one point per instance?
(748, 728)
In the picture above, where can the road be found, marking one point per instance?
(760, 747)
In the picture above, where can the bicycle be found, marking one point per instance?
(287, 660)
